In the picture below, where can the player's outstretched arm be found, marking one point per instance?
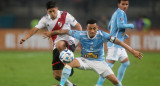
(29, 34)
(55, 32)
(137, 54)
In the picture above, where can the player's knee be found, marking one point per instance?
(60, 45)
(57, 76)
(112, 78)
(126, 64)
(115, 81)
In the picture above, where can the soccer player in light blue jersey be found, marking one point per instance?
(92, 53)
(117, 26)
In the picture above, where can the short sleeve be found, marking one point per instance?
(106, 37)
(75, 34)
(41, 23)
(71, 20)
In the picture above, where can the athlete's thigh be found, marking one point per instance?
(113, 53)
(82, 63)
(57, 72)
(75, 63)
(112, 78)
(101, 68)
(56, 63)
(123, 56)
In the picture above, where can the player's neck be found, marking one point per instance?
(53, 18)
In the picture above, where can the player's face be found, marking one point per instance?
(123, 5)
(92, 29)
(53, 12)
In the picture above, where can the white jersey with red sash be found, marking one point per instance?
(59, 24)
(63, 21)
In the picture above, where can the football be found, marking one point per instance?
(66, 56)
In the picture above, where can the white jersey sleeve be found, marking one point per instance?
(71, 20)
(41, 24)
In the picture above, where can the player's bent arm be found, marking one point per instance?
(78, 27)
(60, 32)
(29, 34)
(134, 52)
(55, 32)
(125, 26)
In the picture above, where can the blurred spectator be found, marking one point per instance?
(33, 23)
(147, 23)
(103, 23)
(143, 23)
(139, 23)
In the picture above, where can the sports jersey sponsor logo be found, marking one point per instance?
(91, 55)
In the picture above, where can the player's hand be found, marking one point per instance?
(138, 54)
(47, 35)
(22, 40)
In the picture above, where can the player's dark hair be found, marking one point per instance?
(91, 21)
(50, 4)
(119, 1)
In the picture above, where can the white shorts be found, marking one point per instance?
(116, 54)
(98, 66)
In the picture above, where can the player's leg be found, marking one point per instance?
(121, 71)
(101, 79)
(67, 71)
(106, 72)
(110, 61)
(124, 64)
(60, 45)
(114, 80)
(57, 65)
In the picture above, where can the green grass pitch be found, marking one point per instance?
(33, 68)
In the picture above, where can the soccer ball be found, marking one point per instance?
(66, 56)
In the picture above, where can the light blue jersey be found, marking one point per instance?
(117, 26)
(92, 48)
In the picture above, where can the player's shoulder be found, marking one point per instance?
(102, 33)
(79, 32)
(119, 11)
(82, 32)
(45, 17)
(63, 12)
(69, 16)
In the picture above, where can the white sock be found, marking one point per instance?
(68, 83)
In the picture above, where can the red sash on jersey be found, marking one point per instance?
(59, 24)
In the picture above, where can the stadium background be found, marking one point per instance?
(30, 64)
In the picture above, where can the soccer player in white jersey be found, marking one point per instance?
(54, 20)
(117, 26)
(92, 53)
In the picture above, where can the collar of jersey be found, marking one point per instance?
(89, 37)
(120, 9)
(58, 16)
